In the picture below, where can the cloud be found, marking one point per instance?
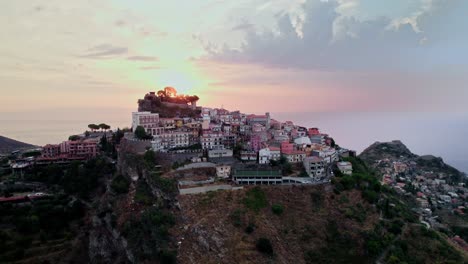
(104, 51)
(147, 68)
(331, 41)
(120, 23)
(243, 26)
(142, 58)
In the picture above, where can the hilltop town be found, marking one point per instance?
(187, 183)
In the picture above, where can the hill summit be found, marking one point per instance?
(382, 150)
(8, 145)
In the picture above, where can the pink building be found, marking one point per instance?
(313, 131)
(255, 142)
(50, 151)
(287, 147)
(80, 149)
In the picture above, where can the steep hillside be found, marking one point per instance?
(352, 220)
(7, 145)
(303, 224)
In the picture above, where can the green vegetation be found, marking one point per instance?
(74, 137)
(264, 246)
(101, 126)
(422, 245)
(148, 235)
(83, 179)
(140, 133)
(40, 223)
(143, 193)
(120, 184)
(339, 246)
(165, 184)
(284, 164)
(277, 209)
(150, 158)
(255, 199)
(357, 213)
(237, 217)
(363, 178)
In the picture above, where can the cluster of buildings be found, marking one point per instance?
(232, 137)
(80, 149)
(431, 189)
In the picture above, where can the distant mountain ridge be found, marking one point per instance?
(396, 150)
(8, 145)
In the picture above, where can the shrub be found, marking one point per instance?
(168, 257)
(277, 209)
(143, 193)
(236, 218)
(370, 196)
(250, 228)
(255, 199)
(264, 246)
(120, 184)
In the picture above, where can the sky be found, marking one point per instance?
(67, 57)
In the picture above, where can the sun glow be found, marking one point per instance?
(182, 81)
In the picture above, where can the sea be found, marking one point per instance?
(443, 135)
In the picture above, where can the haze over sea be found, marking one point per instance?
(439, 134)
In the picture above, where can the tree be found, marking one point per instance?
(93, 127)
(140, 133)
(103, 126)
(150, 157)
(74, 137)
(264, 245)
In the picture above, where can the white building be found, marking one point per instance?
(211, 141)
(149, 121)
(174, 139)
(301, 141)
(267, 154)
(157, 144)
(295, 156)
(220, 153)
(328, 154)
(223, 171)
(315, 168)
(345, 167)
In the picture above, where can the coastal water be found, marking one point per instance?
(441, 134)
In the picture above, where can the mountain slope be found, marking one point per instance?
(382, 150)
(397, 151)
(8, 145)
